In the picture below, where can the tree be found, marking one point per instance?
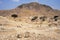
(14, 16)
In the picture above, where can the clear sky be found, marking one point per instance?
(10, 4)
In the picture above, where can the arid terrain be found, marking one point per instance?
(30, 21)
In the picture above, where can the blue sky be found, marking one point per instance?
(10, 4)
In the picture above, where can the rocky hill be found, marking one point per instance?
(31, 21)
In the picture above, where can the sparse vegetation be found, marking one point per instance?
(55, 18)
(34, 18)
(19, 36)
(27, 34)
(0, 24)
(43, 18)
